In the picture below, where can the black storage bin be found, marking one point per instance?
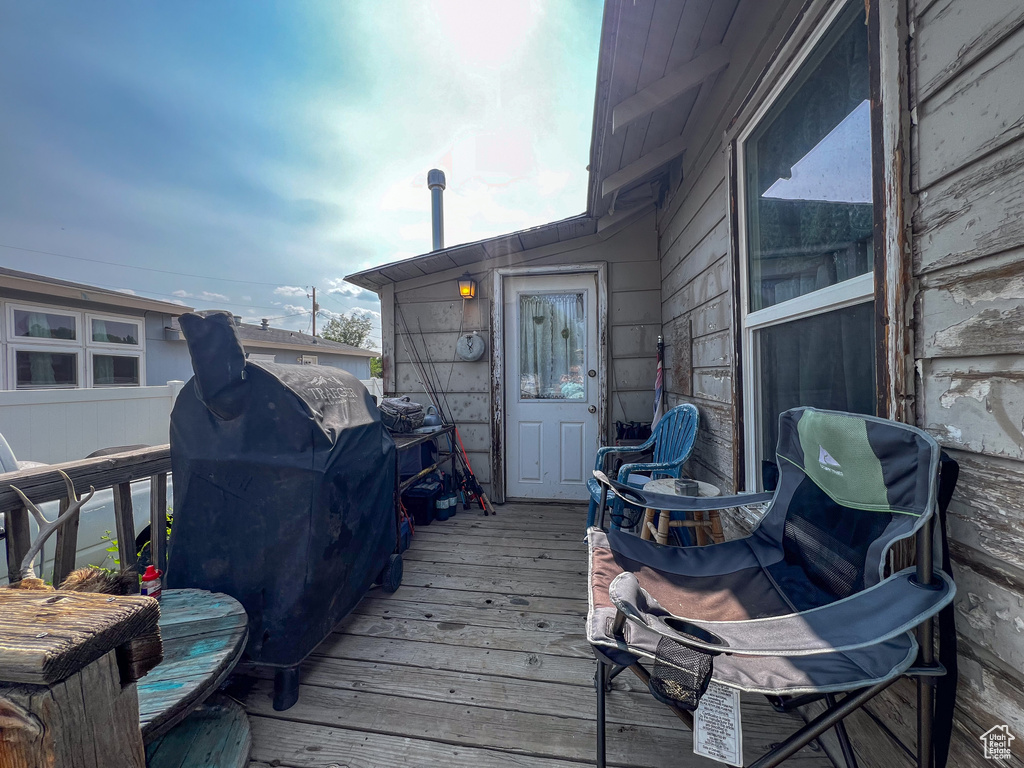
(284, 491)
(420, 500)
(414, 460)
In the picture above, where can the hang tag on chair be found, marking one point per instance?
(717, 732)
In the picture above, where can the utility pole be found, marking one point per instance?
(315, 309)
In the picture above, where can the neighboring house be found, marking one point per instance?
(275, 345)
(815, 202)
(58, 334)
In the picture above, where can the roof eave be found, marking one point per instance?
(468, 254)
(308, 347)
(80, 292)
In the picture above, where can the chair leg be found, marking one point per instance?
(843, 737)
(925, 716)
(819, 725)
(591, 513)
(599, 681)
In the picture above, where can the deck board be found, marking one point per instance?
(479, 659)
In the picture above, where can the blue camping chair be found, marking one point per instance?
(672, 439)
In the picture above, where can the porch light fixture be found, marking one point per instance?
(467, 287)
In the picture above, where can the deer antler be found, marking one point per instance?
(46, 528)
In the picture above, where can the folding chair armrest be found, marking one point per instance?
(671, 503)
(876, 614)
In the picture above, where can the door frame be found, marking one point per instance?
(498, 408)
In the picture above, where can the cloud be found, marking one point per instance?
(363, 312)
(281, 168)
(202, 296)
(340, 288)
(129, 291)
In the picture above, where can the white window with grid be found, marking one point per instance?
(49, 347)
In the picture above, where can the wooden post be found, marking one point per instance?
(66, 546)
(65, 699)
(158, 521)
(123, 517)
(18, 541)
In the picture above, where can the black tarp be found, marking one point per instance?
(284, 482)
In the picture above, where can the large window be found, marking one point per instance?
(54, 348)
(807, 219)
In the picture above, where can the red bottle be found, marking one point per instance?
(151, 584)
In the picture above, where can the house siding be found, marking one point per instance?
(166, 359)
(967, 174)
(966, 61)
(425, 309)
(694, 245)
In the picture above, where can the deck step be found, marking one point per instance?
(215, 735)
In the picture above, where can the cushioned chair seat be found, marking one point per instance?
(685, 582)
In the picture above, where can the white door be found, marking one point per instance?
(552, 385)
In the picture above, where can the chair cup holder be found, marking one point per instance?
(684, 627)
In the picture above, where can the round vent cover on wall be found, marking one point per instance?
(470, 347)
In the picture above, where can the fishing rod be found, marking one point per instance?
(485, 503)
(468, 482)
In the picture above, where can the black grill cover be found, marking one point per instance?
(284, 481)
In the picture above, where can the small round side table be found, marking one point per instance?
(701, 526)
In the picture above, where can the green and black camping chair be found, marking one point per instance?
(804, 608)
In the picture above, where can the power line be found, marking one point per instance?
(133, 266)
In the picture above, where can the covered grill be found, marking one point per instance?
(284, 483)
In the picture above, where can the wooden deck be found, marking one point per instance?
(478, 661)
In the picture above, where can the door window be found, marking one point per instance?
(552, 344)
(807, 234)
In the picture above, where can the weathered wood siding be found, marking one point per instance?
(694, 246)
(429, 316)
(967, 177)
(967, 173)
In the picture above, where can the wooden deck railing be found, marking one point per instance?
(115, 471)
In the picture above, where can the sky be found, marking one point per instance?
(232, 154)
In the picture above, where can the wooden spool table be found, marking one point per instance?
(666, 485)
(204, 634)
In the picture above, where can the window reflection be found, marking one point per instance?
(808, 176)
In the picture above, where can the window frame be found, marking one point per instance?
(12, 365)
(139, 322)
(82, 346)
(857, 290)
(90, 370)
(12, 338)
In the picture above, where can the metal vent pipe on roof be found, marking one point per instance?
(435, 183)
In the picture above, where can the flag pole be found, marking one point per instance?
(659, 386)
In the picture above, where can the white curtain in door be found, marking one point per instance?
(552, 338)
